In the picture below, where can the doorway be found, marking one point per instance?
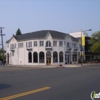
(67, 58)
(48, 60)
(48, 57)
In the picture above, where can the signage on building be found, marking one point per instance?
(83, 40)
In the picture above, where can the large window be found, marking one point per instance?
(15, 45)
(55, 57)
(48, 44)
(61, 56)
(60, 43)
(35, 43)
(35, 57)
(54, 43)
(41, 43)
(74, 57)
(20, 45)
(41, 57)
(28, 44)
(30, 57)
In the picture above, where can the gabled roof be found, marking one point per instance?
(41, 34)
(11, 38)
(74, 39)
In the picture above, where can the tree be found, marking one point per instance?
(95, 40)
(18, 32)
(1, 55)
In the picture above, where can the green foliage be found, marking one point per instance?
(95, 39)
(1, 55)
(18, 32)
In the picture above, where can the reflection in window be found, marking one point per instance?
(55, 57)
(61, 56)
(29, 57)
(35, 57)
(41, 57)
(48, 44)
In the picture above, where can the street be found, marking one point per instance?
(49, 83)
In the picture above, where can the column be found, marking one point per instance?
(71, 54)
(77, 57)
(51, 57)
(58, 57)
(38, 58)
(64, 57)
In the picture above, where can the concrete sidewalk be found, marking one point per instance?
(52, 66)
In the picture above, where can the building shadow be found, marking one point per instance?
(4, 86)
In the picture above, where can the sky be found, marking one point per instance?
(60, 15)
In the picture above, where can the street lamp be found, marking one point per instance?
(81, 44)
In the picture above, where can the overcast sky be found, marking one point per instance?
(60, 15)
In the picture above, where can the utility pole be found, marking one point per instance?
(1, 34)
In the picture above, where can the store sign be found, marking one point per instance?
(83, 40)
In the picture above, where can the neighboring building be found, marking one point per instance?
(90, 56)
(43, 48)
(87, 54)
(78, 34)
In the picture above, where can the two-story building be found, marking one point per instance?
(42, 48)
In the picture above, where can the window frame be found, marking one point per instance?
(55, 42)
(60, 43)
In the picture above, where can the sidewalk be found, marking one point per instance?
(52, 66)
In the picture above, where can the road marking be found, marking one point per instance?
(25, 93)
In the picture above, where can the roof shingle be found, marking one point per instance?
(41, 34)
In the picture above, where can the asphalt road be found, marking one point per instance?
(65, 83)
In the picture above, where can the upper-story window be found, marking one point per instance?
(28, 44)
(54, 43)
(67, 44)
(15, 45)
(12, 46)
(41, 43)
(35, 43)
(20, 45)
(74, 44)
(89, 41)
(60, 43)
(48, 44)
(64, 42)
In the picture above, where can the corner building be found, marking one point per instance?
(45, 47)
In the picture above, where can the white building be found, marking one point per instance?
(43, 48)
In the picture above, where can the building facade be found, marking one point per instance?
(89, 55)
(44, 47)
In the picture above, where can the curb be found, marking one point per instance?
(60, 67)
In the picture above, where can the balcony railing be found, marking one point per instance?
(29, 48)
(48, 48)
(75, 48)
(69, 48)
(12, 48)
